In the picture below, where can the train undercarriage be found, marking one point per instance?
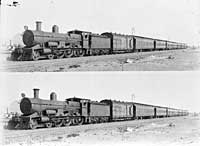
(27, 54)
(35, 53)
(29, 122)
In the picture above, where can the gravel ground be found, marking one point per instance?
(173, 60)
(181, 131)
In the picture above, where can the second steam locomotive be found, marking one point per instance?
(40, 44)
(37, 112)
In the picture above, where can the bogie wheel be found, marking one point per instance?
(48, 125)
(101, 52)
(68, 53)
(92, 120)
(35, 55)
(67, 121)
(33, 125)
(50, 56)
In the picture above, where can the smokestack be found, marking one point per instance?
(36, 93)
(38, 25)
(53, 96)
(55, 29)
(25, 27)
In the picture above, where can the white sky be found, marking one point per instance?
(174, 89)
(177, 20)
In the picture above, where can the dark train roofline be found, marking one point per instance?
(119, 34)
(76, 99)
(105, 33)
(131, 36)
(138, 37)
(156, 106)
(134, 103)
(147, 38)
(79, 31)
(91, 33)
(83, 99)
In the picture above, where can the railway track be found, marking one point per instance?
(20, 136)
(11, 66)
(45, 65)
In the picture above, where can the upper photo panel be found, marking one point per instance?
(99, 35)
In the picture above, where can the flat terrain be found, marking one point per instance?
(173, 60)
(174, 131)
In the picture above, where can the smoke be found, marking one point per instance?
(17, 40)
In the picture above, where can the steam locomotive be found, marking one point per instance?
(38, 112)
(76, 43)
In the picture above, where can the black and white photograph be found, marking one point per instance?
(100, 35)
(102, 109)
(100, 72)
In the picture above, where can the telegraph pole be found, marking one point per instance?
(132, 97)
(133, 30)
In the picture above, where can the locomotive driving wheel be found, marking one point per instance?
(60, 54)
(58, 122)
(68, 53)
(67, 121)
(74, 53)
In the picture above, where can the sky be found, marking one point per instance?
(172, 89)
(177, 20)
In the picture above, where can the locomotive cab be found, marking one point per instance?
(85, 37)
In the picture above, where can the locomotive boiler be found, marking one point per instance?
(33, 37)
(29, 106)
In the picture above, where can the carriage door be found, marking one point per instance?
(154, 44)
(167, 112)
(155, 113)
(134, 111)
(134, 44)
